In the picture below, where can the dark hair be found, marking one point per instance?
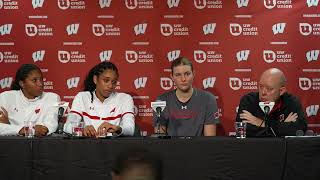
(181, 61)
(89, 85)
(22, 73)
(138, 156)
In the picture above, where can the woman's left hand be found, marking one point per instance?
(40, 130)
(106, 127)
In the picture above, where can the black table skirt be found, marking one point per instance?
(208, 158)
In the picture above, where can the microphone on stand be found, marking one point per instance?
(267, 107)
(62, 108)
(60, 121)
(158, 106)
(299, 133)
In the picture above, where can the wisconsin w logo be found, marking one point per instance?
(305, 29)
(173, 3)
(37, 3)
(140, 28)
(140, 82)
(312, 3)
(208, 82)
(104, 3)
(72, 29)
(312, 110)
(304, 83)
(278, 28)
(6, 82)
(243, 55)
(38, 55)
(105, 55)
(242, 3)
(209, 28)
(269, 56)
(312, 55)
(172, 55)
(73, 82)
(5, 29)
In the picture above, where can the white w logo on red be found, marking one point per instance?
(242, 3)
(173, 3)
(140, 28)
(312, 110)
(6, 82)
(312, 3)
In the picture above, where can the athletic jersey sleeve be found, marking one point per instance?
(50, 117)
(212, 111)
(127, 121)
(8, 129)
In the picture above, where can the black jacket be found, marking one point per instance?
(290, 103)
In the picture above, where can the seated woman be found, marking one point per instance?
(102, 110)
(27, 102)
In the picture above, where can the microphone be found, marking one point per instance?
(309, 132)
(158, 106)
(60, 123)
(266, 107)
(299, 133)
(60, 112)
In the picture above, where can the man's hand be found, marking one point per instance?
(249, 118)
(4, 116)
(292, 117)
(89, 131)
(40, 130)
(107, 127)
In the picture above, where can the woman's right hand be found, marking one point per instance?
(4, 116)
(89, 131)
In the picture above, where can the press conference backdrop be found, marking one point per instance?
(229, 41)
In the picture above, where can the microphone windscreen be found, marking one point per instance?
(267, 109)
(299, 133)
(60, 112)
(309, 133)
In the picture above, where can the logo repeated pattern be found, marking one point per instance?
(229, 42)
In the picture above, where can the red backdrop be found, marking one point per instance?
(230, 43)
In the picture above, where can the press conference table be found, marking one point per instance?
(212, 158)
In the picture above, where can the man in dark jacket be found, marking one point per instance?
(285, 118)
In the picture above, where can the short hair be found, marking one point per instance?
(181, 61)
(138, 156)
(22, 73)
(283, 80)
